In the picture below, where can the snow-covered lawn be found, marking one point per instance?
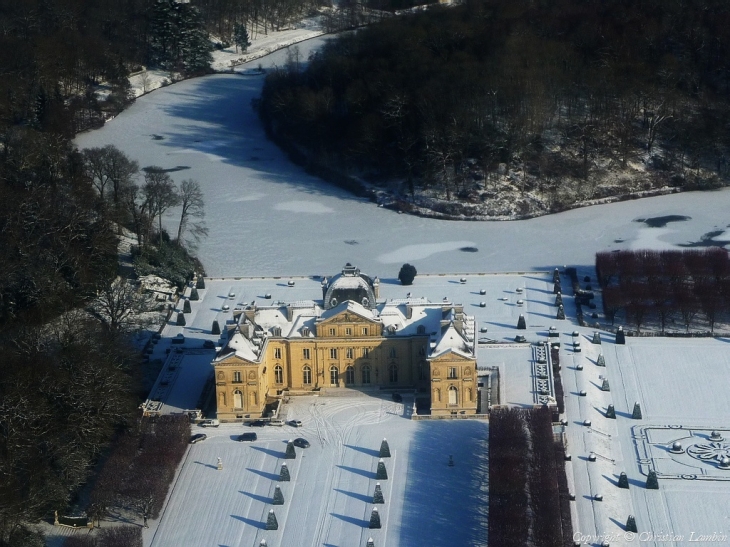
(329, 499)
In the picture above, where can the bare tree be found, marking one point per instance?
(120, 305)
(160, 194)
(193, 207)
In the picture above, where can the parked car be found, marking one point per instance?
(257, 423)
(301, 443)
(397, 397)
(198, 437)
(295, 423)
(278, 423)
(210, 423)
(247, 437)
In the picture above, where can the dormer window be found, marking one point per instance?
(421, 329)
(305, 331)
(276, 331)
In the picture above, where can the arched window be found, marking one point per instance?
(334, 376)
(366, 374)
(393, 373)
(453, 395)
(350, 375)
(278, 374)
(237, 399)
(307, 375)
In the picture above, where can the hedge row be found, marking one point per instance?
(557, 380)
(525, 476)
(119, 536)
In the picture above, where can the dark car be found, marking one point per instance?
(257, 423)
(301, 443)
(397, 397)
(247, 437)
(198, 437)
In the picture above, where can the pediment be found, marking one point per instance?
(451, 356)
(349, 316)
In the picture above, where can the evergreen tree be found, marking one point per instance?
(384, 449)
(407, 274)
(180, 319)
(186, 307)
(636, 414)
(278, 496)
(382, 473)
(375, 518)
(178, 39)
(652, 483)
(611, 412)
(200, 284)
(290, 452)
(521, 324)
(194, 294)
(284, 473)
(240, 37)
(378, 496)
(215, 329)
(271, 522)
(631, 524)
(623, 480)
(605, 386)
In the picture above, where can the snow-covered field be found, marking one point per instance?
(329, 498)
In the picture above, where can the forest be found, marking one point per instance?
(549, 103)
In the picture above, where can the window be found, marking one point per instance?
(452, 373)
(364, 331)
(333, 353)
(277, 353)
(278, 374)
(453, 395)
(237, 377)
(332, 332)
(307, 375)
(366, 374)
(334, 376)
(393, 373)
(348, 331)
(365, 352)
(392, 352)
(350, 375)
(305, 353)
(237, 399)
(349, 352)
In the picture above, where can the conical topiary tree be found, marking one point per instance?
(284, 473)
(216, 328)
(636, 414)
(378, 496)
(200, 283)
(374, 518)
(381, 474)
(605, 386)
(623, 480)
(556, 276)
(384, 449)
(278, 496)
(596, 338)
(611, 412)
(559, 299)
(620, 336)
(631, 524)
(271, 522)
(180, 319)
(652, 483)
(290, 452)
(370, 543)
(561, 312)
(186, 307)
(601, 361)
(521, 323)
(556, 287)
(194, 294)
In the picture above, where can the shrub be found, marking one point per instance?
(407, 274)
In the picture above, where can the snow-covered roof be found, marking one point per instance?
(349, 306)
(452, 341)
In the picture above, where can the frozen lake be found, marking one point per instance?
(268, 217)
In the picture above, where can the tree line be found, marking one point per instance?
(665, 287)
(558, 91)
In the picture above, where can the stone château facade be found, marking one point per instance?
(350, 339)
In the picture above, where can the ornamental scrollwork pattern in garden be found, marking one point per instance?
(709, 451)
